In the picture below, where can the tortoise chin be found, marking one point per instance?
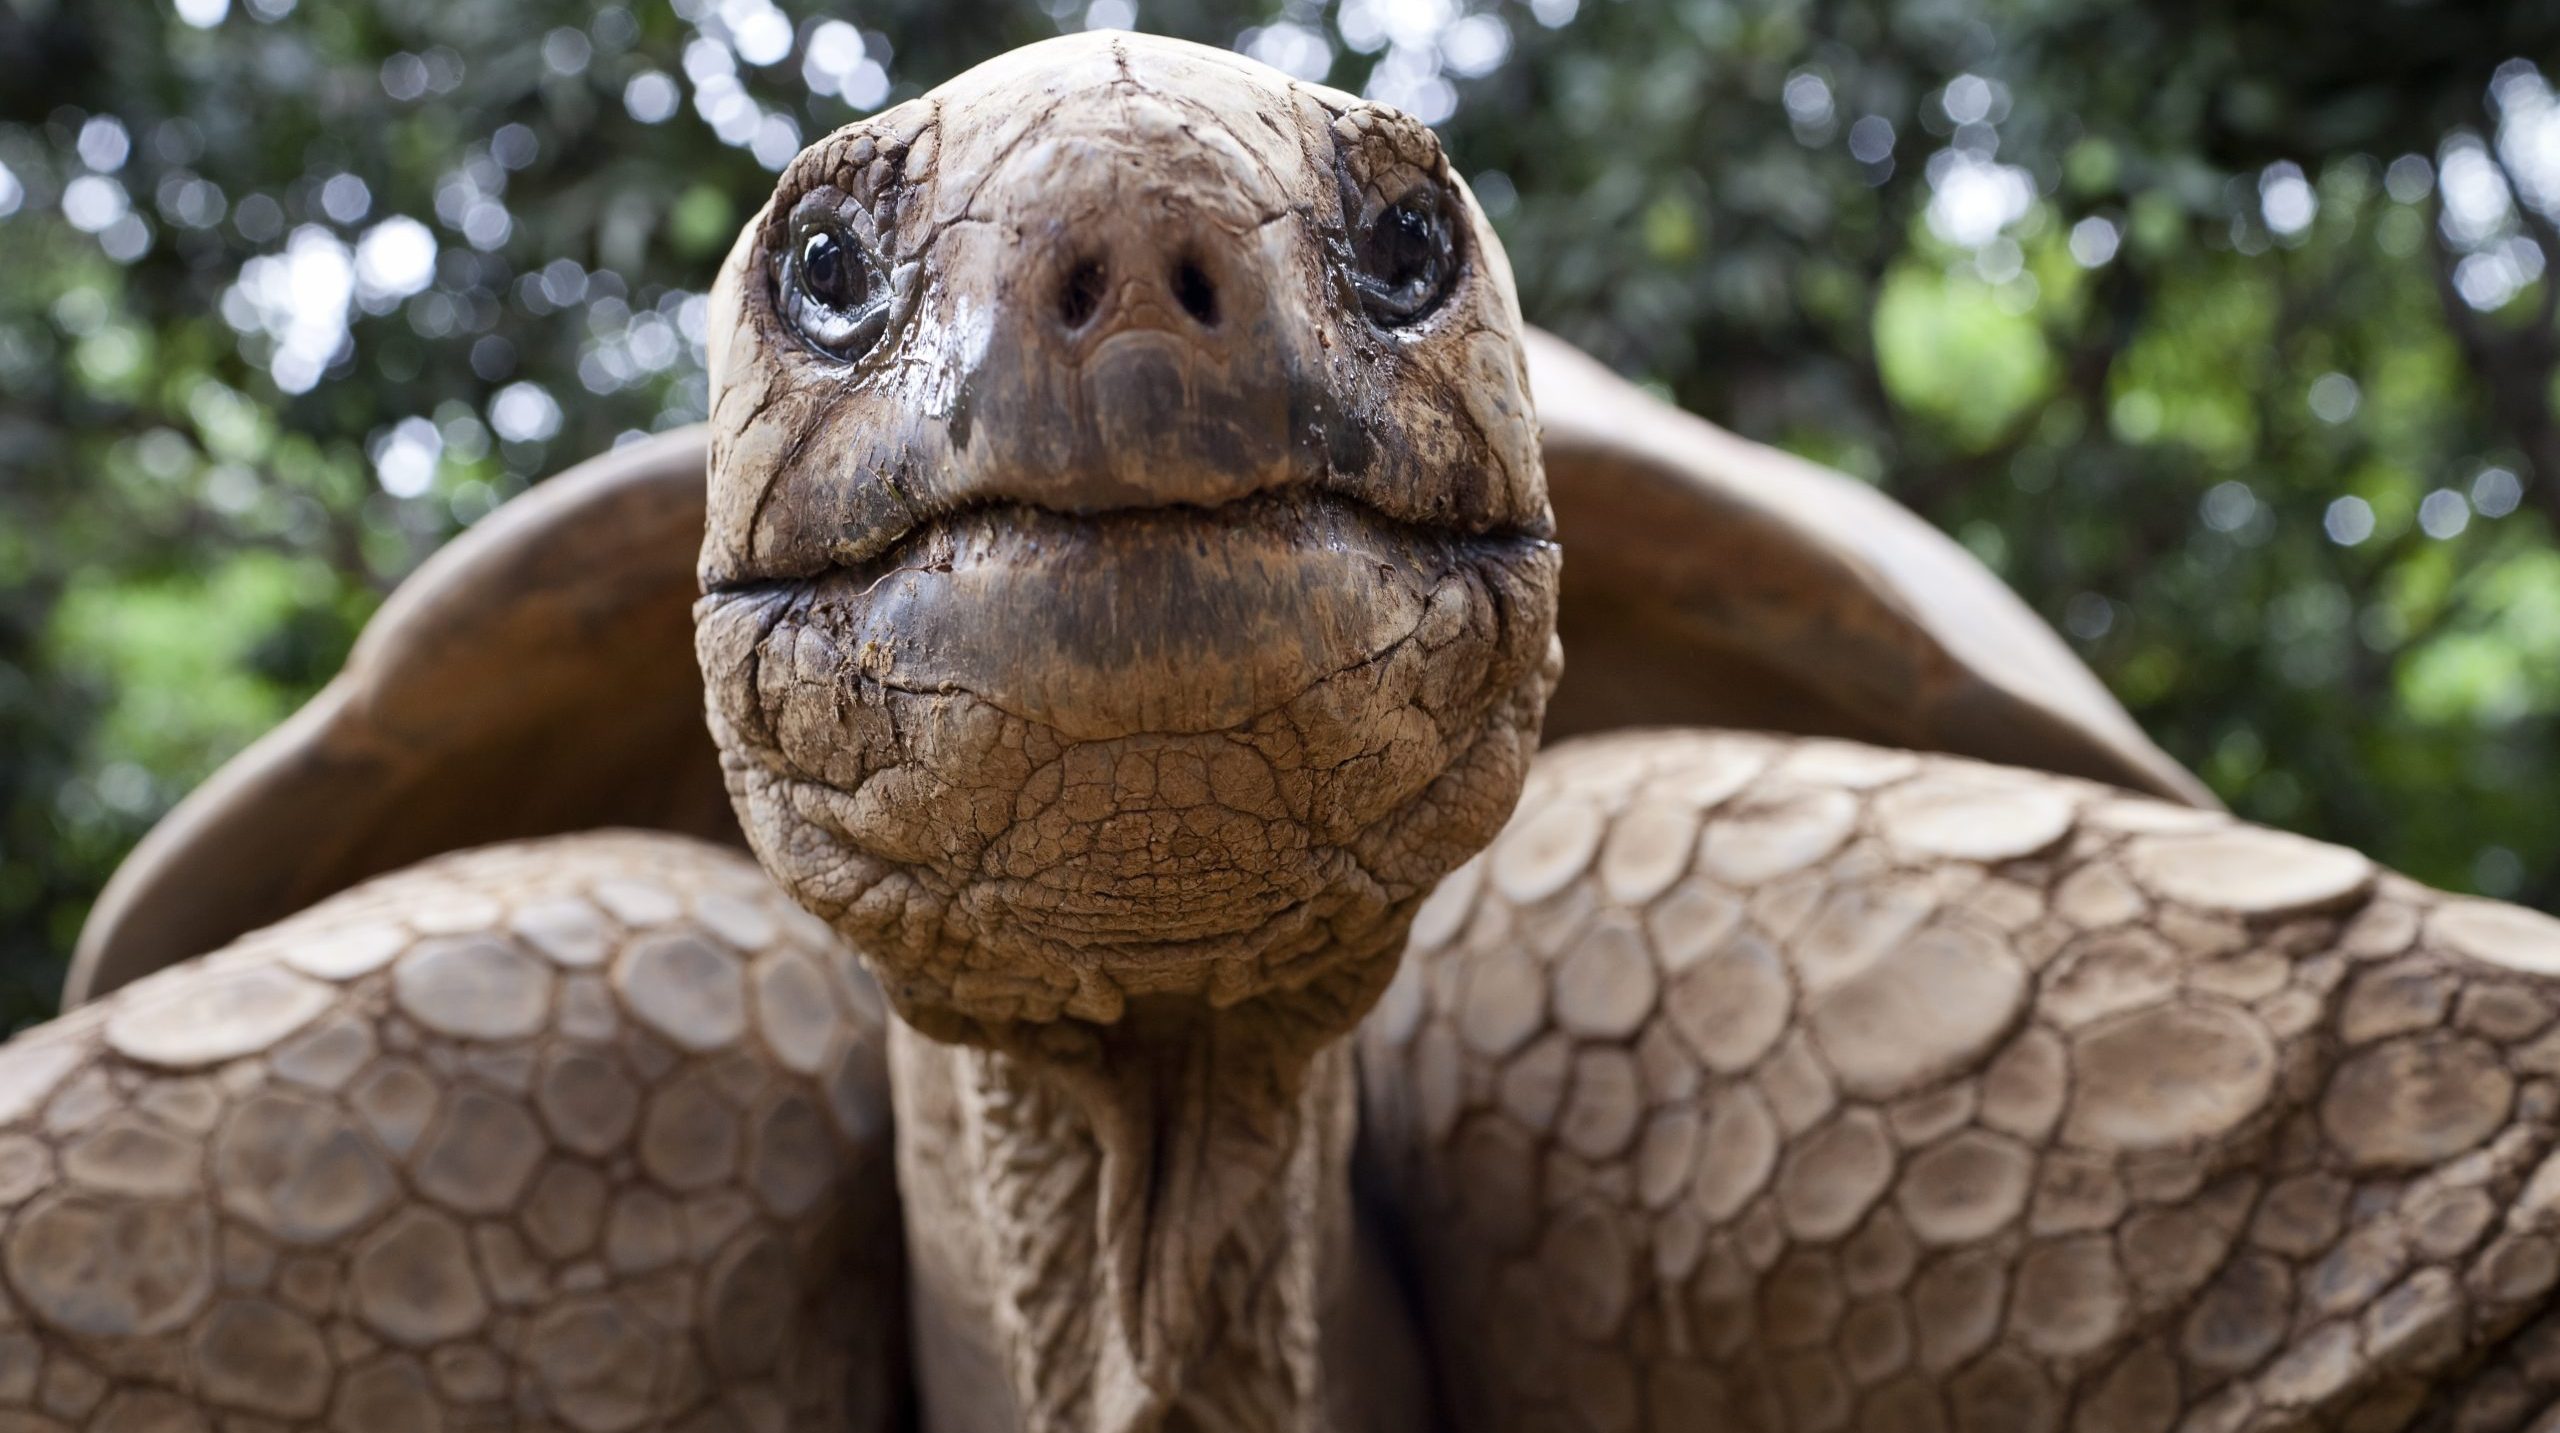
(1033, 764)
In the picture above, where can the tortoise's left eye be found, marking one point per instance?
(1405, 257)
(833, 293)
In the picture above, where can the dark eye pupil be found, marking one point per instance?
(829, 273)
(832, 289)
(1405, 246)
(1405, 259)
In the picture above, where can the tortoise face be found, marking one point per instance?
(1127, 568)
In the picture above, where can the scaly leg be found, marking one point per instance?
(589, 1132)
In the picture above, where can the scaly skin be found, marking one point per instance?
(588, 1133)
(1770, 1085)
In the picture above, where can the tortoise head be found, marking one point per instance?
(1127, 572)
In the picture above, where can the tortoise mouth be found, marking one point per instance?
(877, 539)
(1165, 619)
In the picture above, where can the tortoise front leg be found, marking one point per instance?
(1775, 1086)
(588, 1132)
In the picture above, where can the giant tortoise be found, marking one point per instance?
(1165, 984)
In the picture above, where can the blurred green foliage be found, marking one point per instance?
(2223, 332)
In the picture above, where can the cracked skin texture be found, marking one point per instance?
(1067, 663)
(1151, 707)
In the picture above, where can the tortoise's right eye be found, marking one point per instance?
(1405, 258)
(833, 293)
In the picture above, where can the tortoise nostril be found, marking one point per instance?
(1198, 296)
(1081, 294)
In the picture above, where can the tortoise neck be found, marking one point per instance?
(1138, 1231)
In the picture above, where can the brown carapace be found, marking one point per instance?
(1172, 988)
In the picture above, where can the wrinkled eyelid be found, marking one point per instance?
(782, 224)
(853, 216)
(1400, 139)
(815, 198)
(1384, 187)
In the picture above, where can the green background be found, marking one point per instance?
(2222, 332)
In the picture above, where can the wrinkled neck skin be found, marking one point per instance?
(1145, 1225)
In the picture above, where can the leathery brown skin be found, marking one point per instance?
(1116, 650)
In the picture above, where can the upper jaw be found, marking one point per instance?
(846, 477)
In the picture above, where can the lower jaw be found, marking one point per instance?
(965, 952)
(955, 941)
(1221, 962)
(1305, 968)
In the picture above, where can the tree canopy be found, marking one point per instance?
(2224, 333)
